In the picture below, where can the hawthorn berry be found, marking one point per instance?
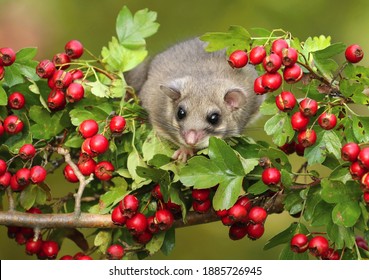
(27, 151)
(37, 174)
(366, 197)
(12, 124)
(354, 53)
(278, 45)
(237, 231)
(308, 107)
(257, 215)
(331, 254)
(61, 60)
(74, 49)
(357, 171)
(292, 74)
(257, 54)
(307, 137)
(99, 144)
(272, 63)
(69, 174)
(255, 231)
(117, 124)
(271, 176)
(74, 93)
(77, 74)
(7, 56)
(5, 180)
(86, 149)
(16, 101)
(288, 148)
(156, 192)
(87, 167)
(299, 243)
(289, 56)
(201, 206)
(285, 101)
(23, 176)
(45, 69)
(115, 252)
(117, 217)
(33, 246)
(151, 225)
(61, 79)
(56, 100)
(50, 248)
(245, 202)
(238, 59)
(200, 194)
(88, 128)
(129, 205)
(164, 219)
(3, 167)
(271, 81)
(104, 170)
(237, 213)
(327, 121)
(2, 72)
(258, 86)
(299, 121)
(143, 238)
(136, 224)
(318, 245)
(361, 242)
(363, 157)
(350, 151)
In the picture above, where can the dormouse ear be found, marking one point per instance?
(235, 98)
(173, 88)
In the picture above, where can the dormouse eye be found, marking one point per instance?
(213, 118)
(181, 114)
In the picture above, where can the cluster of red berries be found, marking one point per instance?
(142, 228)
(63, 84)
(318, 246)
(359, 168)
(282, 57)
(7, 58)
(95, 144)
(24, 176)
(44, 249)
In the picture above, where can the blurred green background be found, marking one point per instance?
(48, 25)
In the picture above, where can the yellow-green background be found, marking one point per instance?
(48, 25)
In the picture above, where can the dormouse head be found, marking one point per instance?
(201, 110)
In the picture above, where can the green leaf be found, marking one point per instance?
(341, 236)
(360, 127)
(237, 38)
(3, 97)
(312, 199)
(346, 214)
(102, 240)
(338, 192)
(134, 160)
(28, 197)
(169, 242)
(288, 254)
(26, 54)
(330, 51)
(322, 214)
(99, 89)
(280, 127)
(258, 188)
(154, 145)
(268, 107)
(156, 242)
(80, 114)
(227, 193)
(111, 198)
(132, 30)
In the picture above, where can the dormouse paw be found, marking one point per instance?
(183, 154)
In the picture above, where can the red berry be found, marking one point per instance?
(74, 49)
(27, 151)
(331, 254)
(238, 59)
(255, 231)
(7, 56)
(115, 252)
(3, 167)
(84, 258)
(74, 92)
(14, 185)
(327, 121)
(299, 121)
(61, 60)
(299, 243)
(129, 205)
(245, 202)
(289, 56)
(357, 171)
(117, 217)
(200, 194)
(45, 69)
(278, 45)
(363, 157)
(237, 213)
(288, 148)
(257, 54)
(69, 174)
(117, 124)
(318, 245)
(164, 219)
(77, 74)
(86, 149)
(143, 238)
(350, 151)
(38, 174)
(272, 63)
(87, 167)
(56, 100)
(66, 257)
(257, 215)
(23, 176)
(2, 72)
(12, 124)
(292, 74)
(151, 225)
(354, 53)
(88, 128)
(61, 79)
(365, 181)
(104, 170)
(271, 81)
(285, 101)
(99, 144)
(258, 86)
(137, 224)
(33, 246)
(50, 249)
(361, 242)
(5, 180)
(201, 206)
(308, 107)
(271, 176)
(307, 137)
(237, 231)
(222, 213)
(156, 192)
(16, 101)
